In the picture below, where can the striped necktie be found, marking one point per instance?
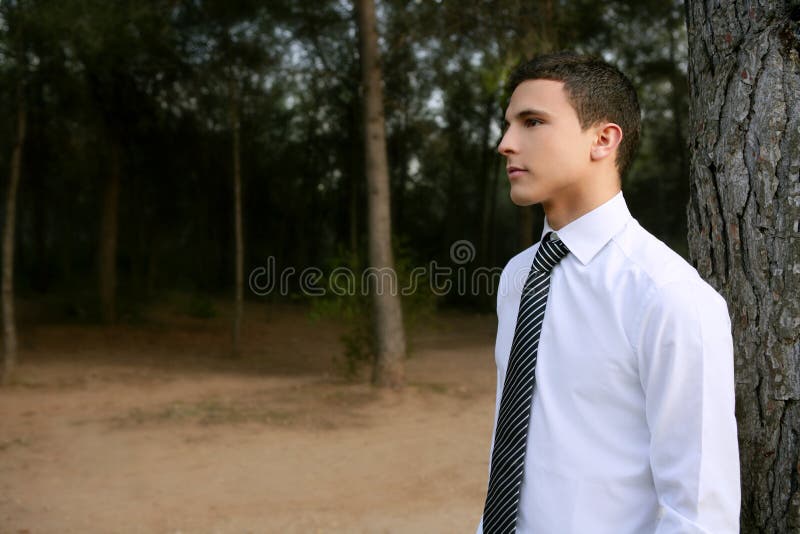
(511, 434)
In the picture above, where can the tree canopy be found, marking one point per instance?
(147, 84)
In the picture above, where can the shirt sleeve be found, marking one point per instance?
(685, 354)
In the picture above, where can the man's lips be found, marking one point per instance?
(513, 171)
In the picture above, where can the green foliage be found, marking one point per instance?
(353, 308)
(200, 306)
(358, 340)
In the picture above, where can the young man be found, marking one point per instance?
(615, 388)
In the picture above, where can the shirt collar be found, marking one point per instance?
(589, 233)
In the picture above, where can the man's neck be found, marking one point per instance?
(562, 212)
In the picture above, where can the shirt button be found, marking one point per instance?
(553, 236)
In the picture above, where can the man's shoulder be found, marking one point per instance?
(664, 286)
(652, 258)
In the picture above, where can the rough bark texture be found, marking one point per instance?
(9, 323)
(743, 229)
(388, 316)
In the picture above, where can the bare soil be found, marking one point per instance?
(153, 428)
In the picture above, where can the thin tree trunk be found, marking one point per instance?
(107, 254)
(353, 214)
(9, 321)
(151, 274)
(400, 156)
(743, 231)
(453, 208)
(388, 316)
(499, 168)
(678, 86)
(543, 40)
(485, 179)
(678, 83)
(353, 189)
(38, 186)
(525, 227)
(237, 210)
(549, 28)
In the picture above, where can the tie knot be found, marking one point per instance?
(549, 254)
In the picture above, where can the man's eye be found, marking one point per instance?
(529, 121)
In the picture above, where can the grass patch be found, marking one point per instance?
(431, 387)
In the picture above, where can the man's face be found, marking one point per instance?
(545, 140)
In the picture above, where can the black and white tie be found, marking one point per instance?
(510, 440)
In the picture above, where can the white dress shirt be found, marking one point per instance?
(632, 426)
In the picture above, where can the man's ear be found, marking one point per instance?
(607, 138)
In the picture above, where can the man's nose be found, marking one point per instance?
(507, 144)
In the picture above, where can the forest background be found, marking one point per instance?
(127, 196)
(184, 177)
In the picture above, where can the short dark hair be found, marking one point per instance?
(597, 90)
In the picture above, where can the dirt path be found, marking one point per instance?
(141, 429)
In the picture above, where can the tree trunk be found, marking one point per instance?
(743, 230)
(237, 210)
(352, 215)
(678, 83)
(499, 169)
(544, 39)
(454, 207)
(9, 322)
(525, 226)
(354, 176)
(485, 180)
(400, 156)
(107, 254)
(388, 315)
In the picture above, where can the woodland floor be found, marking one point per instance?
(150, 427)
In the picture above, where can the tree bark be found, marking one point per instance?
(388, 317)
(743, 230)
(107, 254)
(9, 320)
(233, 112)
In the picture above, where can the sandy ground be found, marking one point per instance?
(151, 428)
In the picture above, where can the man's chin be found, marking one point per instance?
(521, 199)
